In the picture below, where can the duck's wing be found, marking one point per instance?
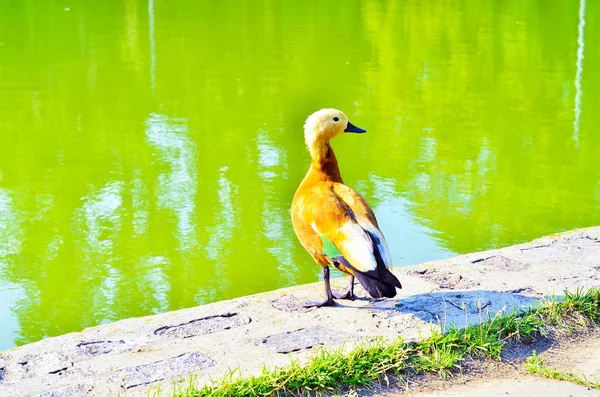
(343, 219)
(366, 219)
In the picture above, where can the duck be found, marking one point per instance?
(334, 223)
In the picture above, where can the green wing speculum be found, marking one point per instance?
(329, 249)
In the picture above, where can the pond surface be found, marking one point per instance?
(150, 149)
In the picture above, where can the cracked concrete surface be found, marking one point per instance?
(131, 357)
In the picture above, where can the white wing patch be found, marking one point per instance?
(357, 247)
(314, 227)
(381, 244)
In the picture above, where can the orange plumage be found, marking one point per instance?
(333, 222)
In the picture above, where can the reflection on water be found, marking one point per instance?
(580, 46)
(10, 248)
(158, 286)
(176, 185)
(140, 205)
(99, 220)
(152, 39)
(10, 240)
(275, 223)
(410, 239)
(151, 149)
(221, 234)
(10, 295)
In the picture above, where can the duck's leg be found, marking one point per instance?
(348, 294)
(342, 264)
(328, 294)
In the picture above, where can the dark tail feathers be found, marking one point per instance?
(376, 288)
(379, 283)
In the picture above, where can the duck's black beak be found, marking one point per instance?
(352, 128)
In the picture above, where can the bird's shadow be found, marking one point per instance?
(461, 308)
(466, 308)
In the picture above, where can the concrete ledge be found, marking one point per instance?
(136, 355)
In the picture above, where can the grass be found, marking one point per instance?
(535, 365)
(329, 371)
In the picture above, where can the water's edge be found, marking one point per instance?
(133, 355)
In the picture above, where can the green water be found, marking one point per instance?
(150, 149)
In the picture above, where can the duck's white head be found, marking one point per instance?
(326, 124)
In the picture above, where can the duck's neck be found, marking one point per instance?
(324, 166)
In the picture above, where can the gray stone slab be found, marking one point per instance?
(444, 278)
(587, 244)
(45, 363)
(289, 303)
(176, 366)
(98, 347)
(13, 372)
(68, 391)
(499, 262)
(526, 291)
(543, 252)
(204, 326)
(303, 338)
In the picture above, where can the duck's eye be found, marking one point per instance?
(336, 119)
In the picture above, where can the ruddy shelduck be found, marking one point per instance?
(333, 222)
